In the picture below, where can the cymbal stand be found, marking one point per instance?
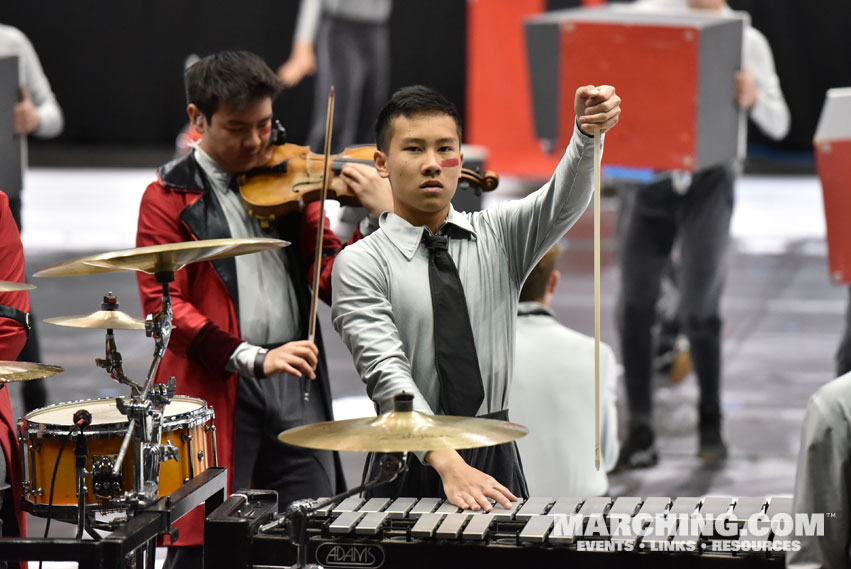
(299, 512)
(112, 362)
(145, 410)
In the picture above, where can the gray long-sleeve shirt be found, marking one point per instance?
(823, 479)
(382, 305)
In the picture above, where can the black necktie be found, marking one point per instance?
(461, 391)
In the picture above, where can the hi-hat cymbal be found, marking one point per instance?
(160, 258)
(102, 319)
(9, 286)
(24, 371)
(400, 431)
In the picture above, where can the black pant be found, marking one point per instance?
(265, 407)
(700, 220)
(422, 481)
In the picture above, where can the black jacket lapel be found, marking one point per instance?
(205, 218)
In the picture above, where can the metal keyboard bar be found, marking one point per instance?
(448, 507)
(532, 507)
(565, 506)
(451, 526)
(594, 508)
(650, 508)
(619, 518)
(374, 505)
(426, 525)
(350, 504)
(681, 506)
(322, 512)
(371, 523)
(424, 506)
(345, 522)
(775, 507)
(478, 527)
(536, 529)
(399, 508)
(701, 525)
(744, 509)
(503, 514)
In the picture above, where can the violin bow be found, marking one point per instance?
(320, 233)
(597, 167)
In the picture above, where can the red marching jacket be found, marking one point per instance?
(181, 206)
(13, 336)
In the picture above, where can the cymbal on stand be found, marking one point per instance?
(404, 431)
(25, 371)
(167, 257)
(10, 286)
(102, 319)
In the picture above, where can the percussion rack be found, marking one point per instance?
(135, 538)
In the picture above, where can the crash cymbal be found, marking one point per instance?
(24, 371)
(8, 286)
(102, 319)
(400, 431)
(160, 258)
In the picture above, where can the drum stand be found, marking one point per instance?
(144, 408)
(299, 512)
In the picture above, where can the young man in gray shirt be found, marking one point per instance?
(381, 292)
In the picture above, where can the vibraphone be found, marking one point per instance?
(430, 533)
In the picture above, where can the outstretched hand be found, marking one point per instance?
(597, 106)
(465, 486)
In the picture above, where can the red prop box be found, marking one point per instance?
(833, 159)
(674, 71)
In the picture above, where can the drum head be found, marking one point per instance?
(103, 412)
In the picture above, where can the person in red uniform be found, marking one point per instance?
(241, 322)
(14, 307)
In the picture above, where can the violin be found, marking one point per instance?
(294, 176)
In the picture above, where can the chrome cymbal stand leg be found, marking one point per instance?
(145, 409)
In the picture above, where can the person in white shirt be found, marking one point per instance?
(693, 211)
(553, 395)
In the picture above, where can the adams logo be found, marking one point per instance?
(349, 555)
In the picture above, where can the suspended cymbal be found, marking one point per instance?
(400, 431)
(24, 371)
(102, 319)
(160, 258)
(8, 286)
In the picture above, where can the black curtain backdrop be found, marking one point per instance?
(116, 67)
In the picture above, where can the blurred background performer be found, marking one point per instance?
(13, 335)
(37, 113)
(552, 393)
(347, 44)
(695, 211)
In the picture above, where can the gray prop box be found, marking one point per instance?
(721, 128)
(11, 169)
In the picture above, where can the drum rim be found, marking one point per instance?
(187, 419)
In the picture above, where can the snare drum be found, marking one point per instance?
(187, 423)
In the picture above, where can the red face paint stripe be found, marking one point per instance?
(266, 130)
(449, 163)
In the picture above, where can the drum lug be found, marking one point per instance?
(169, 451)
(200, 456)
